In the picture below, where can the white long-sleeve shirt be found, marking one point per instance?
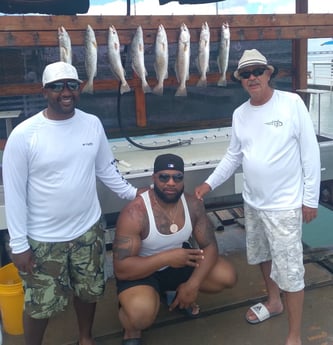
(49, 171)
(279, 153)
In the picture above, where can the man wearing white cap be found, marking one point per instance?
(274, 140)
(50, 165)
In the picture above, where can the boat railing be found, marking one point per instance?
(323, 73)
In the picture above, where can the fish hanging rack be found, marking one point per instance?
(41, 31)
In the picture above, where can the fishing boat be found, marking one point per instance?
(140, 126)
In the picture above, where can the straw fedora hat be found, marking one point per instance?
(253, 57)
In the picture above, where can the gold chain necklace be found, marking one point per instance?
(173, 226)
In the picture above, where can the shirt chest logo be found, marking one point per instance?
(275, 123)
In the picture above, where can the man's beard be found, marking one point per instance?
(166, 198)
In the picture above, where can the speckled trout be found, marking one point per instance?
(65, 45)
(90, 59)
(182, 64)
(223, 57)
(115, 59)
(137, 54)
(203, 55)
(161, 59)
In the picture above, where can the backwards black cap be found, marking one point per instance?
(168, 161)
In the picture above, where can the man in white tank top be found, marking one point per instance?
(150, 258)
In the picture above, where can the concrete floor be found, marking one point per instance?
(222, 320)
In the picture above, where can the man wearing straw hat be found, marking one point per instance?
(274, 140)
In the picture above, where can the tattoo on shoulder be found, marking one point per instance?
(204, 229)
(135, 210)
(196, 207)
(122, 247)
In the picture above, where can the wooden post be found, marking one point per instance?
(140, 103)
(300, 53)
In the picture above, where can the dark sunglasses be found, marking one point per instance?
(59, 86)
(256, 72)
(166, 177)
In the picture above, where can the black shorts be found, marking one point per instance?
(167, 279)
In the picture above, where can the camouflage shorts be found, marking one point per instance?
(63, 267)
(277, 236)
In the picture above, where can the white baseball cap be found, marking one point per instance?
(58, 71)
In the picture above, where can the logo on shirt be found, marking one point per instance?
(87, 144)
(276, 123)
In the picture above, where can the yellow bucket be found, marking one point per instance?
(11, 300)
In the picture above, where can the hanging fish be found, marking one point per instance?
(182, 64)
(223, 57)
(65, 45)
(161, 59)
(203, 55)
(115, 59)
(90, 59)
(137, 54)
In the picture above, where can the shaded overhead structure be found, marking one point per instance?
(190, 2)
(56, 7)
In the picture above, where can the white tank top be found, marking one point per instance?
(156, 242)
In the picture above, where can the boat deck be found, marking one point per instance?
(222, 321)
(222, 315)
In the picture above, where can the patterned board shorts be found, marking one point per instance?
(63, 267)
(277, 236)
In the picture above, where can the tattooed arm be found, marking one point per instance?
(132, 226)
(204, 235)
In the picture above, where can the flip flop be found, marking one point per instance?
(262, 314)
(192, 312)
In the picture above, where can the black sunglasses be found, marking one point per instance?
(256, 72)
(166, 177)
(59, 86)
